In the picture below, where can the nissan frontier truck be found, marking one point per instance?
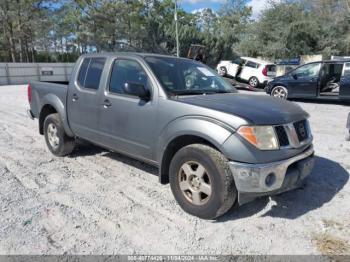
(213, 145)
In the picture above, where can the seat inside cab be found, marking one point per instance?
(330, 79)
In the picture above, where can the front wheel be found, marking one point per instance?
(202, 182)
(56, 139)
(280, 92)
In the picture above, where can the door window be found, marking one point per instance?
(237, 61)
(308, 71)
(252, 64)
(127, 71)
(90, 72)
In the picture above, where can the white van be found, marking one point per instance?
(254, 71)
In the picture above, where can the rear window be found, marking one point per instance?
(271, 68)
(90, 72)
(347, 69)
(82, 73)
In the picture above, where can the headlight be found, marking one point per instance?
(263, 137)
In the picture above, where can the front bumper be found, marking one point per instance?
(254, 180)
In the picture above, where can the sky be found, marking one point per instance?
(192, 5)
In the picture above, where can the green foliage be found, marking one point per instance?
(60, 30)
(294, 28)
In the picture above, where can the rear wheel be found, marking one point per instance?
(202, 182)
(280, 92)
(254, 82)
(56, 139)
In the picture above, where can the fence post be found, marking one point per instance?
(38, 71)
(65, 71)
(8, 79)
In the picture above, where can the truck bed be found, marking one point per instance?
(43, 92)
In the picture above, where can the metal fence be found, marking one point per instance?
(22, 73)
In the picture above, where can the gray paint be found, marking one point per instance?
(144, 129)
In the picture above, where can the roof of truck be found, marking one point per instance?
(134, 54)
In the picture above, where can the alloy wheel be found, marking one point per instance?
(52, 136)
(279, 92)
(195, 183)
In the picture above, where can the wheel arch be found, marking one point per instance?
(52, 104)
(197, 131)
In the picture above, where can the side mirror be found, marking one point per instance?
(136, 89)
(295, 76)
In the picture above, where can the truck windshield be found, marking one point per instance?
(187, 77)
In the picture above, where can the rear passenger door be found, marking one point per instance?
(249, 70)
(83, 98)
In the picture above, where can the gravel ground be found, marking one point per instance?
(98, 202)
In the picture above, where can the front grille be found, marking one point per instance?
(282, 136)
(301, 130)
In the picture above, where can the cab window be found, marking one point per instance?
(127, 71)
(90, 72)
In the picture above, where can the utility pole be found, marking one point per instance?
(177, 31)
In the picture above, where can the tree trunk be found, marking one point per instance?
(20, 33)
(12, 44)
(26, 51)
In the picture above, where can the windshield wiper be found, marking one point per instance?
(188, 92)
(200, 92)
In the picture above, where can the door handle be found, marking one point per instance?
(106, 103)
(75, 97)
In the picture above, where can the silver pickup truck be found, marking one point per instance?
(214, 145)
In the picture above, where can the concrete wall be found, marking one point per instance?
(304, 59)
(22, 73)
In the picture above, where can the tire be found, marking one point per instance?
(222, 71)
(56, 139)
(192, 170)
(254, 82)
(347, 136)
(280, 92)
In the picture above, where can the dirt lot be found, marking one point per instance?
(98, 202)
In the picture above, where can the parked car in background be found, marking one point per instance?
(214, 145)
(254, 71)
(322, 80)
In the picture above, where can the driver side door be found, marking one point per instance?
(127, 123)
(304, 80)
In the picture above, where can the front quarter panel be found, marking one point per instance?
(203, 127)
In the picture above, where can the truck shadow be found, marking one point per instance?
(326, 180)
(86, 149)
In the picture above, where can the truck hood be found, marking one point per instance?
(256, 109)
